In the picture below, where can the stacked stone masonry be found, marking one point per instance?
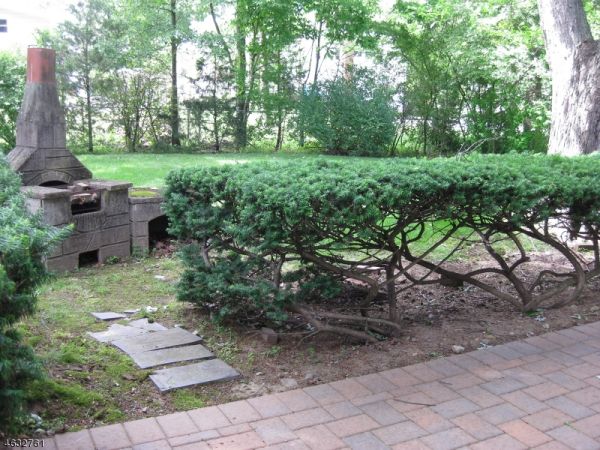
(105, 231)
(142, 211)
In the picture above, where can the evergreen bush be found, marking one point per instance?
(269, 237)
(24, 240)
(353, 116)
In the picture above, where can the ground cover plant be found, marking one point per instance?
(24, 240)
(269, 238)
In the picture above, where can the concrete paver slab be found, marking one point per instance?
(144, 324)
(171, 355)
(115, 332)
(159, 339)
(108, 315)
(203, 372)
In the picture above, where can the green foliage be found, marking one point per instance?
(48, 390)
(475, 73)
(273, 236)
(351, 116)
(12, 81)
(463, 75)
(184, 399)
(24, 240)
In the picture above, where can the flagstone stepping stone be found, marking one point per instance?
(145, 325)
(171, 355)
(203, 372)
(116, 331)
(108, 315)
(156, 340)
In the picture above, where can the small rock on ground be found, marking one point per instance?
(458, 349)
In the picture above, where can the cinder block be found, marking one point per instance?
(116, 220)
(115, 202)
(96, 220)
(141, 212)
(121, 250)
(59, 162)
(115, 235)
(63, 263)
(33, 205)
(57, 211)
(141, 242)
(84, 242)
(88, 222)
(139, 229)
(56, 251)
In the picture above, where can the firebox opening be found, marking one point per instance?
(157, 230)
(54, 184)
(87, 259)
(86, 202)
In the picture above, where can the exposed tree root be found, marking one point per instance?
(324, 327)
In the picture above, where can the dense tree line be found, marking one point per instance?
(447, 76)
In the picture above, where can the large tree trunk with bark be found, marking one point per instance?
(574, 59)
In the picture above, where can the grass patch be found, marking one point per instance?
(142, 193)
(91, 383)
(71, 394)
(150, 170)
(186, 399)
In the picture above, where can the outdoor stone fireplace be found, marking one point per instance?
(61, 188)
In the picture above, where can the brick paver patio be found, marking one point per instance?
(542, 393)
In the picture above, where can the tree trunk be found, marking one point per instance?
(215, 101)
(241, 135)
(574, 59)
(279, 140)
(174, 107)
(88, 100)
(318, 55)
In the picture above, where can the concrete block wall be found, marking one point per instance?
(141, 211)
(105, 231)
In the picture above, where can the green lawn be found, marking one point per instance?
(150, 170)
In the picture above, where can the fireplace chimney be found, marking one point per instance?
(41, 156)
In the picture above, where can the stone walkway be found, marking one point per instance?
(151, 344)
(542, 393)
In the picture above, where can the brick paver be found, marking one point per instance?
(542, 393)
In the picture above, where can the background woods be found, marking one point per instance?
(272, 74)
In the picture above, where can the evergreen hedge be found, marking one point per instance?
(323, 222)
(24, 240)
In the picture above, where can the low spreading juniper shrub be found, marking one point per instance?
(269, 237)
(24, 241)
